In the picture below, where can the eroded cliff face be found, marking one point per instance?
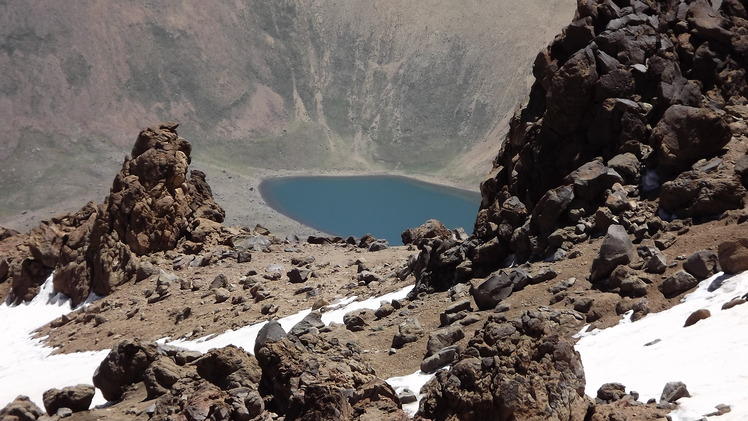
(290, 84)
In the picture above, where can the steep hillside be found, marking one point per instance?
(414, 87)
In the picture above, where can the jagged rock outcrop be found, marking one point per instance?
(514, 369)
(321, 377)
(153, 205)
(630, 119)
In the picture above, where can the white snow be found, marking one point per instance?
(26, 368)
(709, 357)
(245, 337)
(414, 382)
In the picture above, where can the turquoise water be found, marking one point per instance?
(384, 206)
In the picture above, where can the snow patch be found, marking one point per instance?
(26, 366)
(709, 357)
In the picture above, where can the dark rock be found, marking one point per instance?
(487, 380)
(591, 179)
(697, 194)
(123, 366)
(220, 281)
(615, 250)
(674, 391)
(702, 264)
(686, 134)
(733, 255)
(664, 241)
(310, 323)
(583, 305)
(430, 229)
(229, 367)
(298, 276)
(611, 392)
(379, 245)
(408, 331)
(443, 338)
(222, 295)
(271, 332)
(77, 398)
(677, 283)
(491, 291)
(628, 166)
(358, 320)
(160, 376)
(21, 409)
(438, 359)
(732, 303)
(550, 207)
(696, 316)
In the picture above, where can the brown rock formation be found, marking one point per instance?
(153, 205)
(651, 89)
(512, 370)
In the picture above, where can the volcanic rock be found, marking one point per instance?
(124, 365)
(515, 370)
(674, 391)
(615, 250)
(21, 409)
(733, 255)
(686, 134)
(77, 398)
(680, 281)
(702, 264)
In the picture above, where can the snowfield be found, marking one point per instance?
(709, 357)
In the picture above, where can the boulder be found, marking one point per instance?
(77, 398)
(733, 255)
(228, 368)
(702, 264)
(443, 338)
(696, 316)
(550, 207)
(677, 283)
(160, 376)
(430, 229)
(491, 291)
(611, 392)
(674, 391)
(616, 249)
(512, 370)
(325, 380)
(592, 179)
(408, 331)
(124, 365)
(698, 194)
(21, 409)
(686, 134)
(439, 359)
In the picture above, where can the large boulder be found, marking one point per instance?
(124, 365)
(698, 194)
(616, 249)
(76, 398)
(511, 370)
(21, 409)
(430, 229)
(326, 379)
(733, 255)
(686, 134)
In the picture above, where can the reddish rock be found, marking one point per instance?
(733, 255)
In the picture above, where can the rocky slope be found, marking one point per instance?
(283, 85)
(619, 187)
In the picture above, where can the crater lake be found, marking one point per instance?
(383, 206)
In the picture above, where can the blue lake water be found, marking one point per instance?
(384, 206)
